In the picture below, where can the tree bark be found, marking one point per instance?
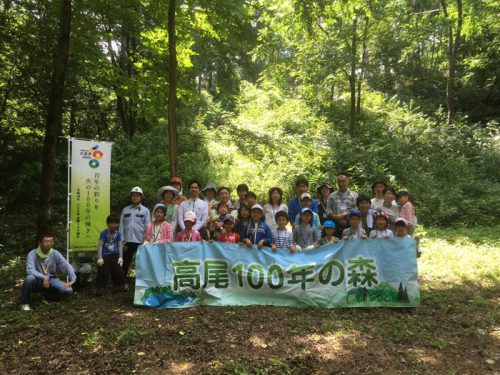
(352, 76)
(54, 118)
(453, 45)
(172, 89)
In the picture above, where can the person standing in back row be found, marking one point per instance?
(340, 203)
(196, 205)
(133, 222)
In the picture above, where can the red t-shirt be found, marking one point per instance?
(229, 238)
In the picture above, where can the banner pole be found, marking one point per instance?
(68, 221)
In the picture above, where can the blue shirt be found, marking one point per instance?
(133, 223)
(256, 233)
(48, 267)
(294, 208)
(111, 243)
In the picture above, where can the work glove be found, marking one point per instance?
(120, 262)
(100, 262)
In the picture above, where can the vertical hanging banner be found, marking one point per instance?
(90, 185)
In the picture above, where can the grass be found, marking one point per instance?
(456, 329)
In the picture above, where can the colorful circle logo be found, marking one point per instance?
(93, 163)
(97, 154)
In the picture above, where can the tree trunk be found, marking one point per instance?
(352, 77)
(54, 118)
(453, 46)
(364, 60)
(172, 89)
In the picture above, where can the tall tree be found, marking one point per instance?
(54, 117)
(453, 45)
(172, 89)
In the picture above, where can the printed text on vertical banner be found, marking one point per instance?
(90, 182)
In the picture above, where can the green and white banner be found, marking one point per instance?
(90, 185)
(354, 273)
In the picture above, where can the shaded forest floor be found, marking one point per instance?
(456, 330)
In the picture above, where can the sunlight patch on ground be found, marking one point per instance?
(180, 367)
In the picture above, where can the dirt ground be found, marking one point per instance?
(449, 334)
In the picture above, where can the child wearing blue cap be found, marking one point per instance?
(329, 230)
(355, 229)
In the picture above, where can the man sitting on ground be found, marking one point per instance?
(41, 267)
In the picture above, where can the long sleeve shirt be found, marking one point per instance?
(48, 267)
(133, 223)
(199, 207)
(158, 233)
(294, 208)
(256, 232)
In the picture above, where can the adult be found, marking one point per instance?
(294, 207)
(241, 190)
(340, 203)
(42, 265)
(224, 194)
(209, 192)
(274, 205)
(168, 196)
(324, 190)
(176, 182)
(378, 188)
(195, 204)
(133, 221)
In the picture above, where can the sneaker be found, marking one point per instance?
(25, 307)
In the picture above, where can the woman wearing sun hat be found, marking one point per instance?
(168, 195)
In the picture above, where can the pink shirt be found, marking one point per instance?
(164, 235)
(408, 212)
(188, 236)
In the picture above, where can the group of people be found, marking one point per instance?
(209, 214)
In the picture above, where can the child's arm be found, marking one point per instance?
(100, 261)
(148, 234)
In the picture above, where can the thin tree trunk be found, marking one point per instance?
(54, 118)
(364, 60)
(352, 77)
(172, 90)
(453, 45)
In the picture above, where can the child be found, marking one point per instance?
(110, 256)
(329, 229)
(355, 230)
(189, 234)
(282, 237)
(407, 210)
(251, 199)
(364, 206)
(306, 202)
(381, 224)
(216, 223)
(133, 223)
(242, 190)
(402, 231)
(243, 219)
(229, 236)
(275, 205)
(168, 196)
(159, 231)
(304, 233)
(257, 232)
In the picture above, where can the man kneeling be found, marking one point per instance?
(41, 267)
